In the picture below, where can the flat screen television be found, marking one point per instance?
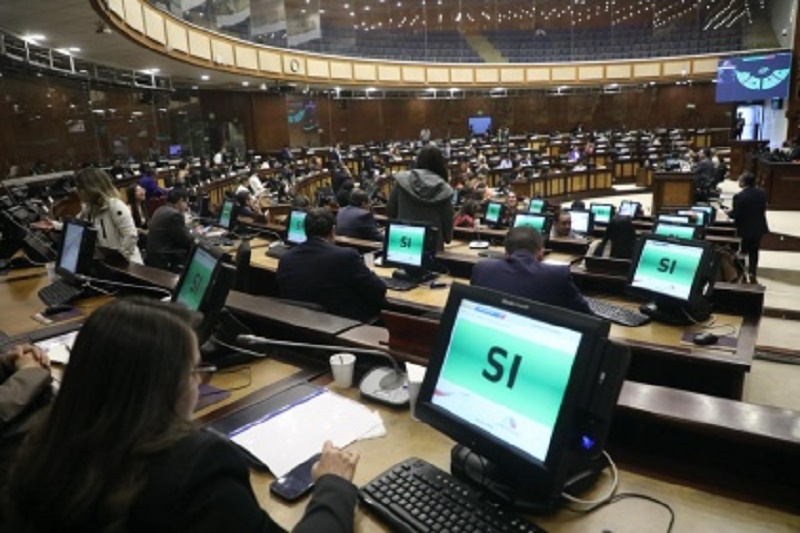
(494, 213)
(761, 76)
(526, 390)
(296, 227)
(479, 125)
(537, 205)
(602, 212)
(76, 250)
(677, 231)
(675, 275)
(540, 223)
(582, 221)
(409, 247)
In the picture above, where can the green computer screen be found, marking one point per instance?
(602, 213)
(507, 374)
(536, 206)
(667, 268)
(197, 279)
(532, 220)
(225, 214)
(405, 245)
(493, 212)
(699, 217)
(297, 227)
(673, 230)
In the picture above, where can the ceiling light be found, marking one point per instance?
(34, 37)
(73, 49)
(205, 77)
(245, 84)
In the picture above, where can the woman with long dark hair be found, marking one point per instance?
(423, 194)
(117, 452)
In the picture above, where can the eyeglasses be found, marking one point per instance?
(204, 371)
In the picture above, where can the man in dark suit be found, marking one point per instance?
(750, 214)
(356, 220)
(336, 278)
(703, 176)
(522, 273)
(168, 238)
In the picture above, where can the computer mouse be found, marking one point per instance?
(705, 339)
(56, 309)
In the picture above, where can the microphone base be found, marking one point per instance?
(385, 385)
(479, 245)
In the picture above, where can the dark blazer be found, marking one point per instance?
(168, 239)
(334, 277)
(521, 274)
(750, 213)
(358, 223)
(202, 484)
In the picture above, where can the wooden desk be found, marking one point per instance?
(780, 181)
(703, 509)
(672, 189)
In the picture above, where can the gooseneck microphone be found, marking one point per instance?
(388, 385)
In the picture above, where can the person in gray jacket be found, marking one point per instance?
(423, 195)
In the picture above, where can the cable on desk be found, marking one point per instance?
(611, 491)
(89, 279)
(611, 497)
(249, 375)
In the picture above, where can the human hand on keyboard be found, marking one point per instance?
(335, 461)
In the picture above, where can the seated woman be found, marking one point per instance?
(135, 196)
(117, 451)
(465, 218)
(618, 241)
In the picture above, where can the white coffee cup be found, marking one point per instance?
(416, 375)
(342, 367)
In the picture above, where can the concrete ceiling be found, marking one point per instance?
(74, 23)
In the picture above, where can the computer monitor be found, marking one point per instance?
(494, 213)
(228, 215)
(537, 205)
(602, 212)
(175, 150)
(676, 231)
(673, 219)
(76, 250)
(526, 389)
(540, 223)
(203, 286)
(675, 275)
(296, 227)
(582, 221)
(697, 218)
(409, 247)
(710, 210)
(629, 208)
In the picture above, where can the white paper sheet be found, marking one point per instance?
(288, 438)
(58, 348)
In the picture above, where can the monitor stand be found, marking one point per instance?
(515, 488)
(413, 274)
(677, 314)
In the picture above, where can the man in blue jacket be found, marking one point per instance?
(334, 277)
(522, 273)
(356, 220)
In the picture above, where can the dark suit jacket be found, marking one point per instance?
(202, 484)
(168, 239)
(522, 275)
(750, 213)
(334, 277)
(357, 222)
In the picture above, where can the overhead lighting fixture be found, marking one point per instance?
(205, 77)
(73, 49)
(245, 84)
(371, 89)
(32, 38)
(431, 90)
